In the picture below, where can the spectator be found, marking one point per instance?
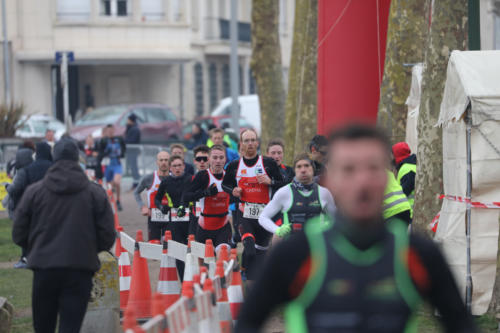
(43, 161)
(199, 136)
(24, 157)
(49, 137)
(217, 138)
(178, 149)
(92, 168)
(64, 221)
(133, 136)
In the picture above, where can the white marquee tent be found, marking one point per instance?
(471, 100)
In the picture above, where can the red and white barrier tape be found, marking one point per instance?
(474, 204)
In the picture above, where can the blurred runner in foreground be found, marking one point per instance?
(355, 273)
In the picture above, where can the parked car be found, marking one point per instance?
(249, 109)
(35, 126)
(157, 122)
(208, 122)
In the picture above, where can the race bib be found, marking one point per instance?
(105, 161)
(253, 210)
(90, 173)
(175, 218)
(158, 216)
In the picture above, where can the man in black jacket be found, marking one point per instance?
(43, 161)
(64, 221)
(133, 136)
(170, 200)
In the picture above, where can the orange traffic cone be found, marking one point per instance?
(124, 270)
(158, 307)
(140, 288)
(223, 303)
(168, 282)
(130, 323)
(235, 290)
(223, 254)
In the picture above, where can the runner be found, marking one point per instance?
(252, 179)
(157, 221)
(201, 163)
(213, 201)
(179, 150)
(299, 201)
(317, 152)
(171, 190)
(201, 157)
(114, 149)
(356, 273)
(91, 153)
(275, 150)
(217, 138)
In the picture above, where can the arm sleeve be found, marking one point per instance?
(144, 183)
(280, 200)
(229, 181)
(104, 220)
(274, 283)
(436, 283)
(408, 183)
(274, 173)
(162, 189)
(195, 189)
(327, 200)
(22, 220)
(18, 185)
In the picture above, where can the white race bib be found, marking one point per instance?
(158, 216)
(105, 161)
(253, 210)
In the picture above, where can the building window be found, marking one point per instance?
(226, 81)
(114, 7)
(253, 86)
(240, 77)
(198, 82)
(73, 10)
(152, 10)
(212, 77)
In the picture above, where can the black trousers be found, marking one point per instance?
(179, 234)
(60, 291)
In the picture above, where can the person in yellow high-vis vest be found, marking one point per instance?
(396, 204)
(406, 165)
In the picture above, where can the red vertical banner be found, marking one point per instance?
(351, 54)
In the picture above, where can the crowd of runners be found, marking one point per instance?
(339, 220)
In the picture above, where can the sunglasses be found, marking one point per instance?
(201, 159)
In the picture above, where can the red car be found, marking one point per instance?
(157, 122)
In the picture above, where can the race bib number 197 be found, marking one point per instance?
(158, 216)
(253, 210)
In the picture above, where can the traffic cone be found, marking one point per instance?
(190, 239)
(158, 306)
(223, 253)
(235, 290)
(140, 289)
(210, 257)
(130, 322)
(124, 270)
(225, 317)
(211, 324)
(169, 285)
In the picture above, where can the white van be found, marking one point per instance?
(249, 109)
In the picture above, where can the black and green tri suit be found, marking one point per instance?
(352, 290)
(304, 207)
(346, 278)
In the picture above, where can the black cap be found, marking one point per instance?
(132, 117)
(66, 149)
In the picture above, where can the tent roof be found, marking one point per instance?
(472, 77)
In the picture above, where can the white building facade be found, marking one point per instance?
(173, 52)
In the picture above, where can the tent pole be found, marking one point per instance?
(468, 290)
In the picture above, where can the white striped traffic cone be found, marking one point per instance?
(226, 320)
(125, 271)
(235, 290)
(168, 282)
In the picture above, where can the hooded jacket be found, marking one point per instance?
(43, 161)
(24, 157)
(64, 220)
